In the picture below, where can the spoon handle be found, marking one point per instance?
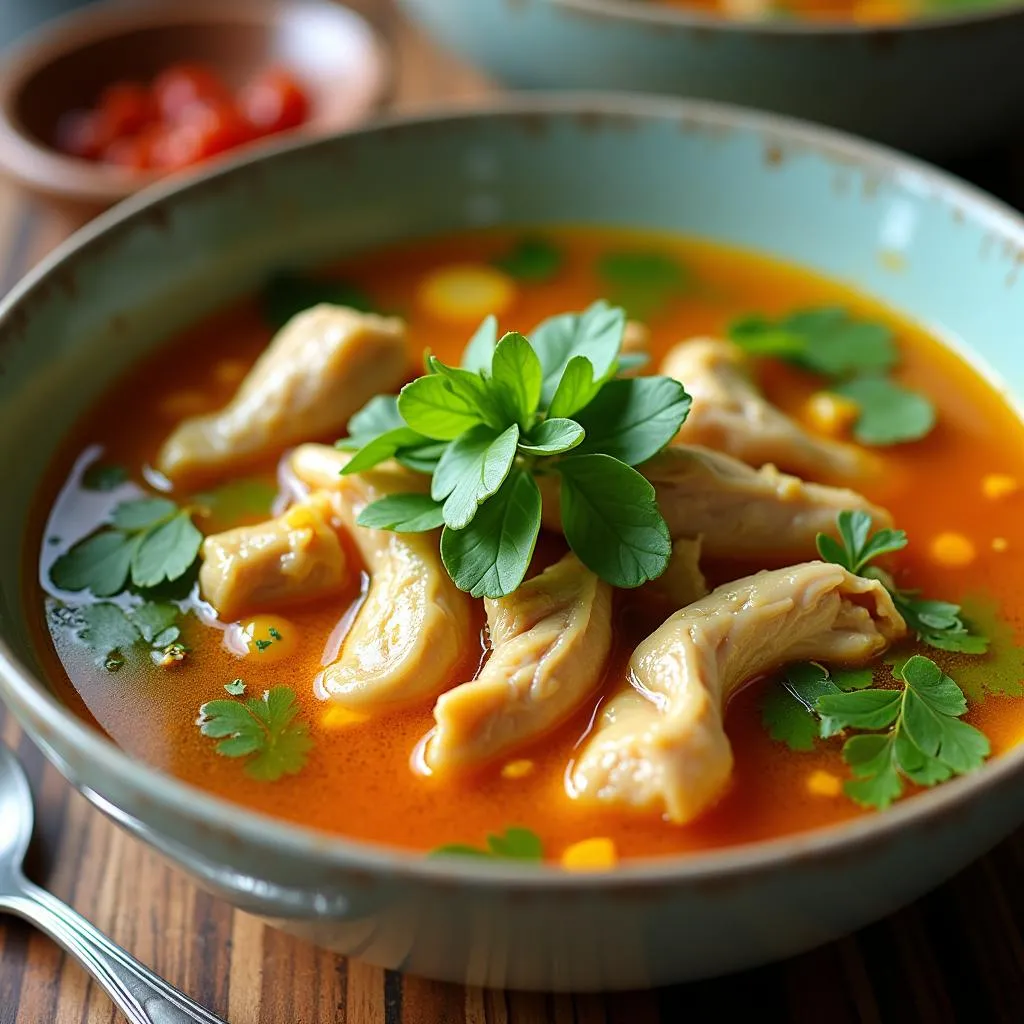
(142, 996)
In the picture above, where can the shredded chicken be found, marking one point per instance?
(682, 582)
(738, 512)
(293, 557)
(660, 744)
(729, 414)
(321, 367)
(550, 641)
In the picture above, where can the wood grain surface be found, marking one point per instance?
(956, 955)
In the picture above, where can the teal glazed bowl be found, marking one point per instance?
(908, 85)
(150, 266)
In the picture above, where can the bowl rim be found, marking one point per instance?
(43, 168)
(37, 709)
(642, 14)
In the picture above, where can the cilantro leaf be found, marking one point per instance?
(104, 476)
(872, 759)
(611, 520)
(99, 563)
(403, 513)
(236, 687)
(531, 259)
(490, 556)
(576, 388)
(889, 413)
(552, 437)
(856, 548)
(516, 375)
(267, 730)
(288, 293)
(642, 282)
(632, 419)
(431, 407)
(474, 466)
(166, 551)
(478, 353)
(860, 709)
(515, 843)
(787, 720)
(595, 333)
(144, 512)
(106, 629)
(152, 619)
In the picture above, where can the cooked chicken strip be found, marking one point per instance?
(738, 512)
(682, 582)
(730, 415)
(321, 367)
(660, 744)
(550, 641)
(296, 556)
(415, 627)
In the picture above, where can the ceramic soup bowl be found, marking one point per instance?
(904, 84)
(164, 258)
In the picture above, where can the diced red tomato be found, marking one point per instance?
(125, 108)
(133, 151)
(182, 85)
(274, 101)
(77, 135)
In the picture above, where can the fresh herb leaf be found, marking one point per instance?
(938, 623)
(153, 619)
(477, 355)
(787, 720)
(433, 408)
(288, 293)
(106, 629)
(642, 282)
(403, 513)
(236, 687)
(531, 259)
(595, 333)
(889, 413)
(852, 678)
(235, 503)
(856, 546)
(166, 551)
(611, 520)
(806, 682)
(99, 563)
(140, 514)
(490, 556)
(576, 388)
(517, 376)
(861, 709)
(268, 730)
(827, 341)
(552, 437)
(104, 476)
(476, 464)
(872, 759)
(514, 843)
(632, 419)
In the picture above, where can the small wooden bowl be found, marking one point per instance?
(341, 61)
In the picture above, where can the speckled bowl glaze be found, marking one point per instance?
(148, 267)
(934, 87)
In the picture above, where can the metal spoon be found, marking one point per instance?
(141, 996)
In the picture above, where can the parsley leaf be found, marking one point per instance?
(475, 466)
(642, 282)
(99, 563)
(377, 433)
(236, 687)
(858, 546)
(104, 476)
(403, 513)
(235, 503)
(478, 353)
(268, 730)
(490, 556)
(611, 520)
(110, 631)
(517, 376)
(288, 293)
(531, 259)
(515, 843)
(576, 388)
(632, 419)
(596, 333)
(889, 414)
(552, 437)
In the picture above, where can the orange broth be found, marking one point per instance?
(358, 781)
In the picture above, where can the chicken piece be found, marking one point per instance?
(550, 641)
(414, 629)
(682, 582)
(317, 467)
(739, 513)
(321, 367)
(294, 557)
(660, 744)
(729, 414)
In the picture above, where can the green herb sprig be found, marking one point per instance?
(149, 541)
(855, 356)
(111, 631)
(515, 843)
(268, 730)
(515, 410)
(938, 624)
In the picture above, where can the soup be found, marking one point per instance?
(861, 11)
(732, 655)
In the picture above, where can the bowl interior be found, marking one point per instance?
(332, 51)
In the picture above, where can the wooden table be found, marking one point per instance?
(957, 955)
